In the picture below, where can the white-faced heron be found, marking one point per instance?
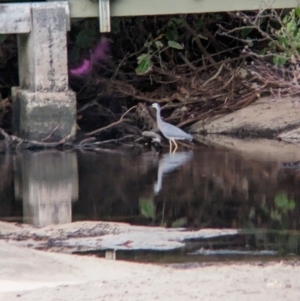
(171, 132)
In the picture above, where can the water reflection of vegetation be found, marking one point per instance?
(217, 189)
(284, 242)
(278, 213)
(276, 236)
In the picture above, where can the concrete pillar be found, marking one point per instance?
(43, 101)
(47, 184)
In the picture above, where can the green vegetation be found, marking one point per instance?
(279, 30)
(286, 47)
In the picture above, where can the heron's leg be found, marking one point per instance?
(176, 146)
(170, 146)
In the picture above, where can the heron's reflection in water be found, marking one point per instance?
(168, 163)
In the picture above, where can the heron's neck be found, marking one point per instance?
(158, 117)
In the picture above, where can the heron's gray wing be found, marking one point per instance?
(173, 132)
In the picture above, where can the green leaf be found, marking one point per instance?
(159, 44)
(275, 215)
(262, 51)
(142, 57)
(297, 11)
(291, 26)
(264, 209)
(148, 44)
(181, 222)
(199, 23)
(2, 38)
(177, 21)
(172, 35)
(175, 45)
(245, 32)
(272, 45)
(283, 41)
(147, 208)
(282, 201)
(144, 64)
(291, 205)
(279, 60)
(285, 19)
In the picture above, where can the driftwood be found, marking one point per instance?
(145, 118)
(12, 142)
(154, 136)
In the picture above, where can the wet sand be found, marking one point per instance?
(27, 274)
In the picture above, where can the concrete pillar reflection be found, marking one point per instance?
(47, 183)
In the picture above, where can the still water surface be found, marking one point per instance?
(201, 189)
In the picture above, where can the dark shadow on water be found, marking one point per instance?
(204, 189)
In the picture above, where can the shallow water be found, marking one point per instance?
(201, 189)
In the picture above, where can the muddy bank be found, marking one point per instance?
(268, 117)
(102, 236)
(262, 149)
